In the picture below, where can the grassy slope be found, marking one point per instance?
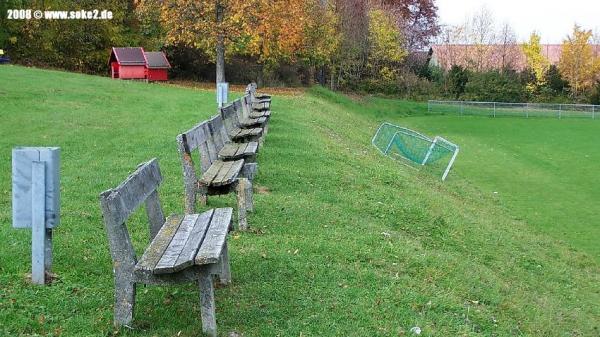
(344, 241)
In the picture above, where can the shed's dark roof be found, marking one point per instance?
(156, 60)
(130, 55)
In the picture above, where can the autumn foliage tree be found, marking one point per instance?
(417, 19)
(271, 31)
(386, 50)
(536, 61)
(578, 64)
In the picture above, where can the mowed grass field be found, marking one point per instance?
(344, 242)
(544, 170)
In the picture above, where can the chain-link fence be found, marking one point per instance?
(500, 109)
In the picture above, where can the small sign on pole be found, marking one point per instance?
(222, 93)
(36, 202)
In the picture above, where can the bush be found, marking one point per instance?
(494, 86)
(457, 80)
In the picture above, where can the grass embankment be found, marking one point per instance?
(344, 241)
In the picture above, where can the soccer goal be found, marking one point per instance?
(405, 144)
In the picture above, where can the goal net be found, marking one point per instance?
(405, 144)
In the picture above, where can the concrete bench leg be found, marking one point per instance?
(244, 197)
(250, 170)
(207, 303)
(225, 271)
(124, 301)
(202, 193)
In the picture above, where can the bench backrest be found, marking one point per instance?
(119, 203)
(246, 105)
(198, 139)
(251, 89)
(230, 118)
(218, 132)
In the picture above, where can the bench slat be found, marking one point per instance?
(245, 133)
(241, 149)
(160, 243)
(211, 248)
(222, 172)
(229, 176)
(189, 251)
(259, 114)
(211, 173)
(253, 121)
(235, 133)
(252, 147)
(235, 151)
(229, 150)
(167, 261)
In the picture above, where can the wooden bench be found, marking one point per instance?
(226, 149)
(217, 176)
(248, 116)
(260, 102)
(235, 130)
(189, 248)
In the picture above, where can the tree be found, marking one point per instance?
(268, 30)
(321, 37)
(508, 49)
(386, 45)
(536, 61)
(417, 19)
(577, 62)
(353, 24)
(458, 78)
(555, 81)
(482, 35)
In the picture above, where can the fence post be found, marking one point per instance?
(559, 111)
(494, 109)
(461, 108)
(429, 106)
(593, 112)
(526, 110)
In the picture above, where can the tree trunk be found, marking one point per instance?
(220, 45)
(310, 81)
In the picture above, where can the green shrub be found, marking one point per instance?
(494, 86)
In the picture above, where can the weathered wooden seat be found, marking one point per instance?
(235, 130)
(184, 241)
(188, 248)
(217, 177)
(253, 122)
(241, 134)
(222, 173)
(234, 151)
(259, 114)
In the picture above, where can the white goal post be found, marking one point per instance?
(414, 146)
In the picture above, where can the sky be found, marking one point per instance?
(552, 19)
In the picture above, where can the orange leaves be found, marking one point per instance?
(270, 30)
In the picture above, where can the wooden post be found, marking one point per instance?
(38, 223)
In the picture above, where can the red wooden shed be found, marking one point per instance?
(127, 63)
(157, 66)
